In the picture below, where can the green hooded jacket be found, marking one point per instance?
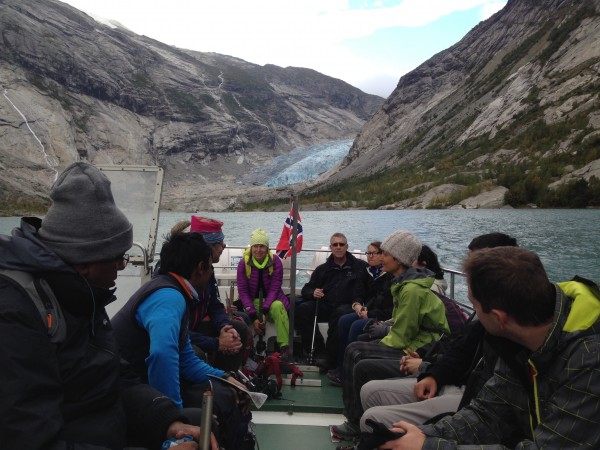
(419, 315)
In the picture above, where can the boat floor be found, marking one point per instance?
(300, 419)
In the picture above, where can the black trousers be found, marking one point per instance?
(364, 362)
(305, 319)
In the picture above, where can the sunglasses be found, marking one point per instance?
(338, 244)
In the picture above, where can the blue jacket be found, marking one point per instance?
(152, 329)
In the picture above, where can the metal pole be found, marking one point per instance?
(294, 199)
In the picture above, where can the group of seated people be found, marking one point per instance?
(520, 373)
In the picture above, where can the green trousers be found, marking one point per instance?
(278, 316)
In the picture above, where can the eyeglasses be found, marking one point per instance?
(122, 260)
(338, 244)
(371, 254)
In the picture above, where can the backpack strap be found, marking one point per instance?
(40, 293)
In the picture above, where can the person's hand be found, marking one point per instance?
(412, 440)
(229, 340)
(378, 330)
(179, 429)
(426, 388)
(409, 365)
(233, 308)
(318, 293)
(259, 326)
(231, 330)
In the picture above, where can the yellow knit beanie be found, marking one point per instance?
(259, 237)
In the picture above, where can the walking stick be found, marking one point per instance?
(311, 357)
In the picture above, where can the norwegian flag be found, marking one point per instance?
(284, 247)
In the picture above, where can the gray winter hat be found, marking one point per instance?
(403, 246)
(83, 224)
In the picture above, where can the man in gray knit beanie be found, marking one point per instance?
(56, 277)
(84, 224)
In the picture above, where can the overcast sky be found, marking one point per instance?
(367, 43)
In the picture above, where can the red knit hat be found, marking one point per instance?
(205, 225)
(210, 229)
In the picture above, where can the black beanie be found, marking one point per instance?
(83, 224)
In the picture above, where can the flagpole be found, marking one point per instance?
(294, 199)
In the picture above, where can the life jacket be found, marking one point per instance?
(133, 339)
(40, 293)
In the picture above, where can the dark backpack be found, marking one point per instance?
(455, 316)
(40, 293)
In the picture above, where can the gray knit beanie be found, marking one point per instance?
(403, 246)
(83, 224)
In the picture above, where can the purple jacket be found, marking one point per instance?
(272, 279)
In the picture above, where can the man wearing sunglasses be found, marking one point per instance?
(332, 289)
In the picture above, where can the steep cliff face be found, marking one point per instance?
(71, 87)
(534, 63)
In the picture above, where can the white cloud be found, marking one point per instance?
(307, 33)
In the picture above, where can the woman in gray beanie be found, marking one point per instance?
(418, 318)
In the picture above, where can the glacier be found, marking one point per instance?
(301, 164)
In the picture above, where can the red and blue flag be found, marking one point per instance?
(284, 247)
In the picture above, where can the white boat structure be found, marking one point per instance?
(305, 411)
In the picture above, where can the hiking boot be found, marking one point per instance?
(346, 431)
(334, 380)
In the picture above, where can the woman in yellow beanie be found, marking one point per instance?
(259, 278)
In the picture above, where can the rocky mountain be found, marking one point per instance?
(72, 87)
(515, 104)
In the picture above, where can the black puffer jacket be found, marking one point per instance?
(341, 284)
(78, 393)
(379, 296)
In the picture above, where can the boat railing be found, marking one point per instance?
(226, 268)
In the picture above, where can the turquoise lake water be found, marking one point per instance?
(567, 241)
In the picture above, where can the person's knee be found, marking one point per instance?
(278, 311)
(368, 391)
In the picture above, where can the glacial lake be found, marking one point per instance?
(567, 241)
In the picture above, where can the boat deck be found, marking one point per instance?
(300, 419)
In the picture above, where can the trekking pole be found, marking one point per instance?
(311, 358)
(206, 419)
(261, 346)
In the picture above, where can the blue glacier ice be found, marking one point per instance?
(301, 164)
